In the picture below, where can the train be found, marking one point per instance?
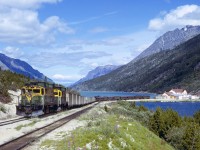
(38, 98)
(114, 98)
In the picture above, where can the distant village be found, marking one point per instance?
(177, 94)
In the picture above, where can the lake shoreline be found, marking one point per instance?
(164, 100)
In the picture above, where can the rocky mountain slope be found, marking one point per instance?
(97, 72)
(20, 67)
(177, 68)
(170, 40)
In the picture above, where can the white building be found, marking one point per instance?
(178, 91)
(176, 94)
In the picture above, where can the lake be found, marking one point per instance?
(183, 108)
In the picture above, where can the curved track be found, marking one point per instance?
(12, 121)
(26, 139)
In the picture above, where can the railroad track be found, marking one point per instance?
(3, 123)
(12, 121)
(26, 139)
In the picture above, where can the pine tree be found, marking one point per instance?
(156, 122)
(197, 117)
(191, 138)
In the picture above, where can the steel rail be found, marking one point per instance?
(30, 137)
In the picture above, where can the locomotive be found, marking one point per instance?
(39, 98)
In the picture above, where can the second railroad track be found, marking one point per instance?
(30, 137)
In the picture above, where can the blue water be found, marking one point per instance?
(183, 108)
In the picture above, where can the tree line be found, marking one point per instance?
(10, 81)
(181, 133)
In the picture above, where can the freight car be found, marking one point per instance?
(104, 98)
(39, 98)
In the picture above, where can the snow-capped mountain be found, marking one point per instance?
(97, 72)
(168, 67)
(155, 73)
(20, 67)
(170, 40)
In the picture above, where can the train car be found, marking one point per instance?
(61, 95)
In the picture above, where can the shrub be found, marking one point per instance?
(163, 121)
(142, 108)
(175, 136)
(106, 108)
(191, 137)
(2, 108)
(10, 81)
(197, 117)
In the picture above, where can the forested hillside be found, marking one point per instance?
(177, 68)
(10, 81)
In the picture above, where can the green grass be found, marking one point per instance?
(109, 130)
(26, 125)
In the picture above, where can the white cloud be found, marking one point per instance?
(54, 23)
(66, 78)
(49, 59)
(22, 25)
(112, 41)
(181, 16)
(12, 52)
(25, 4)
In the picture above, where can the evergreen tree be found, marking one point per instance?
(10, 81)
(197, 117)
(191, 138)
(156, 122)
(163, 121)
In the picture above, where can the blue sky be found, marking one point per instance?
(64, 39)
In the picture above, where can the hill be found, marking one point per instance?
(158, 72)
(97, 72)
(20, 67)
(115, 128)
(170, 40)
(10, 81)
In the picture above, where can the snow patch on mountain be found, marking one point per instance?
(17, 66)
(3, 66)
(20, 67)
(97, 72)
(170, 40)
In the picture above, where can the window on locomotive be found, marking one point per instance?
(36, 90)
(55, 93)
(29, 90)
(59, 93)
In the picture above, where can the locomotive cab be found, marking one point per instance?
(32, 100)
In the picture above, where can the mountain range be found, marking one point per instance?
(97, 72)
(159, 68)
(20, 67)
(170, 40)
